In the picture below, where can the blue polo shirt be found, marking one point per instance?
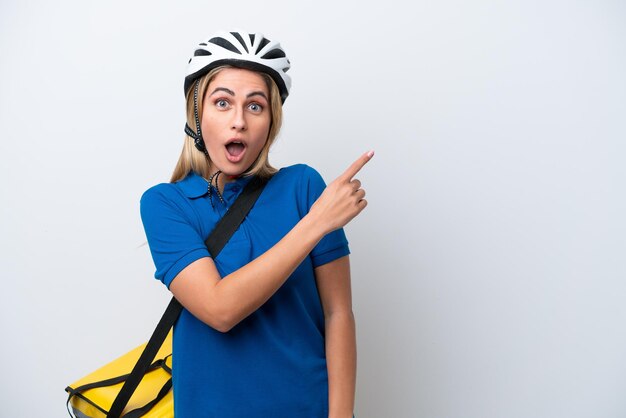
(273, 363)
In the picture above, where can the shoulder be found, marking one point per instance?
(190, 187)
(303, 179)
(160, 193)
(297, 172)
(299, 182)
(162, 198)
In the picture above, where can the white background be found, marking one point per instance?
(488, 269)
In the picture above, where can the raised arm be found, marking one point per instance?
(224, 302)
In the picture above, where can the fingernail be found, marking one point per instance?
(369, 154)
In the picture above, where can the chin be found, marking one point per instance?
(234, 171)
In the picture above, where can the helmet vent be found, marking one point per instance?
(201, 52)
(251, 38)
(240, 39)
(261, 45)
(225, 44)
(274, 53)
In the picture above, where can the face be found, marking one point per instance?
(236, 119)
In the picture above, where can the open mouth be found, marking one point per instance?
(235, 150)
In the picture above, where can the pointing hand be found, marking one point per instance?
(343, 199)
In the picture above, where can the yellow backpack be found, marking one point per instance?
(93, 395)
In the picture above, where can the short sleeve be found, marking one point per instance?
(173, 240)
(335, 244)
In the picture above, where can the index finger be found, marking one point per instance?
(356, 166)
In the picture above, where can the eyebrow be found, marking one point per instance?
(258, 93)
(232, 93)
(229, 91)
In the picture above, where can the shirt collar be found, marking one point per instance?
(194, 185)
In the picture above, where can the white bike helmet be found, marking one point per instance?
(251, 51)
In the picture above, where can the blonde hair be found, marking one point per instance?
(192, 159)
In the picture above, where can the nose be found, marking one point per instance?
(239, 120)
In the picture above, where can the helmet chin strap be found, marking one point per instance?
(197, 135)
(217, 189)
(199, 143)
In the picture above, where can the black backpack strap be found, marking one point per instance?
(234, 216)
(225, 228)
(140, 412)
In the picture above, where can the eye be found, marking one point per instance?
(221, 104)
(255, 107)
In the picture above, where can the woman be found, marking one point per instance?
(267, 329)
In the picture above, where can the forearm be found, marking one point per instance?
(245, 290)
(341, 363)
